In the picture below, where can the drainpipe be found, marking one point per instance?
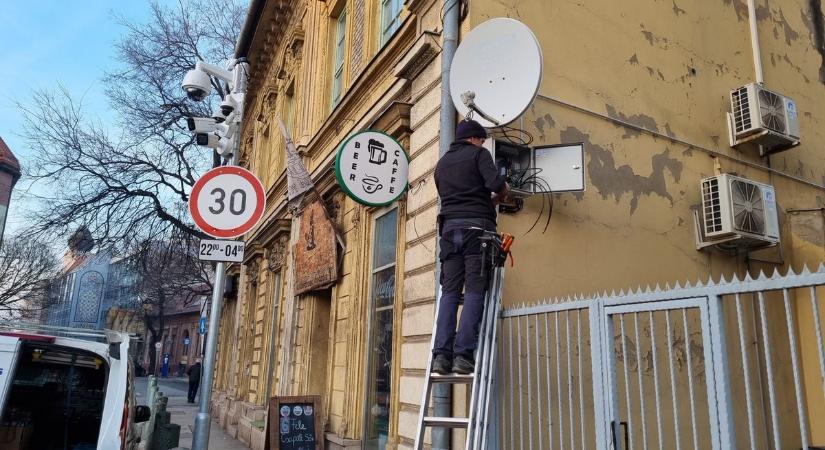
(442, 392)
(757, 54)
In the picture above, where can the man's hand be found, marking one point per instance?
(502, 196)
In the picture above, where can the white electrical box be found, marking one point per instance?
(562, 166)
(539, 170)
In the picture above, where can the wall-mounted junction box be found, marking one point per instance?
(539, 170)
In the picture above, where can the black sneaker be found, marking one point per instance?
(441, 364)
(463, 365)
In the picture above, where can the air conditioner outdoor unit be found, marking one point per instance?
(763, 117)
(738, 212)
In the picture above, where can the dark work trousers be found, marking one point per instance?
(193, 390)
(460, 268)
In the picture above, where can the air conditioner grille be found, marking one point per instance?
(772, 111)
(741, 109)
(748, 207)
(711, 205)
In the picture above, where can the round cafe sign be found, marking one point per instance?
(372, 168)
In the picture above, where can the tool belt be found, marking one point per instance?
(495, 249)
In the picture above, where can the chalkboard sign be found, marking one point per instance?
(295, 423)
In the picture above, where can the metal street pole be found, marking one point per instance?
(200, 438)
(203, 421)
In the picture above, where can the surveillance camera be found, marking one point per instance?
(225, 147)
(227, 106)
(218, 116)
(207, 139)
(197, 84)
(201, 124)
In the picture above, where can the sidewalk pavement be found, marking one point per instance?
(184, 414)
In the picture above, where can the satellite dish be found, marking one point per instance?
(496, 72)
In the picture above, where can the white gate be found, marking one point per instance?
(723, 365)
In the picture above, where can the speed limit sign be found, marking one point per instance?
(227, 202)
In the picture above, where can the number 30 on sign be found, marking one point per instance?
(227, 202)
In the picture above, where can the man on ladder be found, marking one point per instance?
(466, 177)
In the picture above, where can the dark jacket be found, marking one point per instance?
(465, 178)
(194, 372)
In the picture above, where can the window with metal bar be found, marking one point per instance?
(338, 62)
(381, 313)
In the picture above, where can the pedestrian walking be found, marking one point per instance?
(194, 372)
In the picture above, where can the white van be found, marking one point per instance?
(64, 388)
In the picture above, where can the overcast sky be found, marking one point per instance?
(47, 42)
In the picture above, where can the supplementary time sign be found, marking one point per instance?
(226, 251)
(227, 202)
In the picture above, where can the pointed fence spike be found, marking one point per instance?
(762, 275)
(775, 274)
(748, 277)
(710, 281)
(657, 288)
(821, 267)
(734, 278)
(688, 285)
(722, 279)
(677, 286)
(805, 270)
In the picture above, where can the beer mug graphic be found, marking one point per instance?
(377, 153)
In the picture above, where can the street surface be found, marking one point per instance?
(183, 413)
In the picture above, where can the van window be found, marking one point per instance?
(56, 399)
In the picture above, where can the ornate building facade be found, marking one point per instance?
(641, 84)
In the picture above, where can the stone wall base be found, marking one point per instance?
(246, 423)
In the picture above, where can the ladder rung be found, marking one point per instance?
(447, 422)
(451, 378)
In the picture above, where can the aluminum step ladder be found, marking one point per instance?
(481, 381)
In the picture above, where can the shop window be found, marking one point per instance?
(381, 313)
(390, 19)
(338, 60)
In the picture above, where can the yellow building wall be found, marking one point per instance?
(664, 66)
(667, 67)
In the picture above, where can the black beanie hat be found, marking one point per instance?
(468, 129)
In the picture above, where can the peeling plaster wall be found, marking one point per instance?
(666, 66)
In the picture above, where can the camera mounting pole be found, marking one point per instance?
(237, 79)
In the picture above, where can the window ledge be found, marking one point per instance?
(418, 56)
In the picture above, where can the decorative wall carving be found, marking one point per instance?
(277, 253)
(252, 271)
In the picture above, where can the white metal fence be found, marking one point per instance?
(733, 364)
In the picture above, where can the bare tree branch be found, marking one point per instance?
(26, 266)
(131, 179)
(169, 277)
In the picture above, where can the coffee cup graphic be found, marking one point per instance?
(371, 184)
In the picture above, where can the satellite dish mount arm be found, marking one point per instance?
(468, 98)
